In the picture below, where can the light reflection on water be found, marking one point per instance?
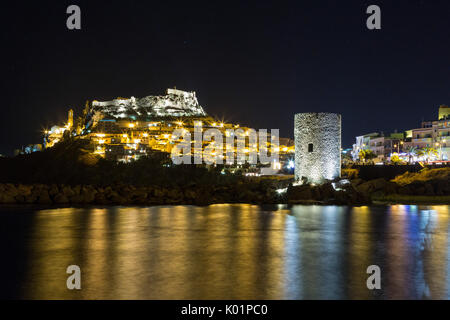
(227, 252)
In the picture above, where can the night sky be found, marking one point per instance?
(253, 63)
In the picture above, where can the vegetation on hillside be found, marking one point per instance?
(72, 162)
(423, 176)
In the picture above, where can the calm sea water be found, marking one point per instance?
(226, 252)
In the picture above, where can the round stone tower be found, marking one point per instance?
(317, 146)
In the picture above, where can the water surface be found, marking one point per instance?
(226, 252)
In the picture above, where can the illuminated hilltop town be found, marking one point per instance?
(125, 129)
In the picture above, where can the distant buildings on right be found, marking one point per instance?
(430, 142)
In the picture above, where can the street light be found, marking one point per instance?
(398, 148)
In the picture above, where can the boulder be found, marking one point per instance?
(24, 190)
(137, 195)
(203, 199)
(44, 197)
(77, 189)
(391, 188)
(356, 182)
(341, 197)
(341, 184)
(87, 195)
(67, 191)
(125, 191)
(315, 193)
(100, 198)
(61, 198)
(371, 186)
(442, 187)
(117, 199)
(53, 190)
(175, 194)
(31, 198)
(429, 190)
(405, 190)
(7, 198)
(77, 199)
(327, 191)
(303, 180)
(108, 190)
(111, 194)
(303, 192)
(158, 192)
(190, 194)
(20, 199)
(11, 190)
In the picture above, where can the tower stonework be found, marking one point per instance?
(317, 146)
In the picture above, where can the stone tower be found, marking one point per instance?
(317, 146)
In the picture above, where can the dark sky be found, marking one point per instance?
(255, 63)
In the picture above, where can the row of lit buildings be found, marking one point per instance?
(434, 134)
(127, 129)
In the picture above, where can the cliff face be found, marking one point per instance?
(176, 103)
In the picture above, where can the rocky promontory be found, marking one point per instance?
(427, 186)
(133, 195)
(430, 186)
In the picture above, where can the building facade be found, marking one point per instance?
(433, 134)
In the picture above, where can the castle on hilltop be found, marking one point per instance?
(176, 103)
(125, 129)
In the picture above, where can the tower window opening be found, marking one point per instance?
(310, 147)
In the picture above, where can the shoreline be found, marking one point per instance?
(356, 192)
(423, 201)
(375, 203)
(413, 200)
